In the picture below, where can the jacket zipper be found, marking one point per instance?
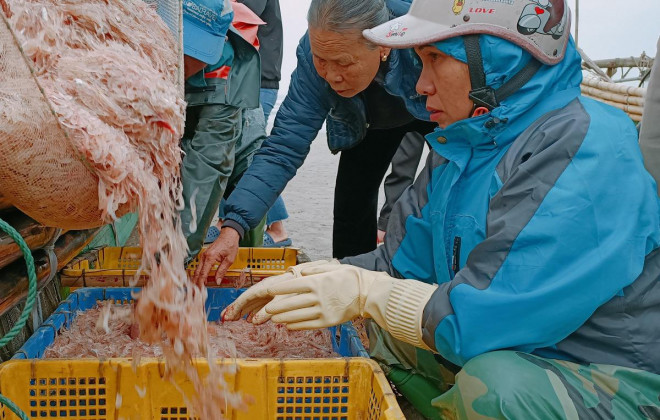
(201, 89)
(363, 97)
(456, 258)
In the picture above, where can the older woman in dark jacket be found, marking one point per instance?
(365, 95)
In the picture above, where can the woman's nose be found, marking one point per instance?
(334, 76)
(425, 84)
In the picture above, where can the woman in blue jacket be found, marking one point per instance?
(527, 255)
(365, 95)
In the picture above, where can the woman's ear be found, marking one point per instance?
(385, 52)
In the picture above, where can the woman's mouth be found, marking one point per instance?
(436, 114)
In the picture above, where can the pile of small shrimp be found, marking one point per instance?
(110, 70)
(92, 335)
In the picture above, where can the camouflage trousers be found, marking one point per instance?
(516, 385)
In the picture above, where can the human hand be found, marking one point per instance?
(331, 295)
(253, 300)
(380, 237)
(325, 296)
(223, 251)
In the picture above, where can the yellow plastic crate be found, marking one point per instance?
(117, 266)
(333, 389)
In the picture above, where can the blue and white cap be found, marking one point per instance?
(205, 25)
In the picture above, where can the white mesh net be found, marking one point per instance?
(76, 76)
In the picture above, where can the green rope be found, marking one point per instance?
(13, 407)
(29, 303)
(32, 278)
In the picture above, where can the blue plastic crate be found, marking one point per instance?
(348, 343)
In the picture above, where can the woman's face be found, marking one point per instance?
(344, 60)
(445, 82)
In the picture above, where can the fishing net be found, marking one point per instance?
(56, 97)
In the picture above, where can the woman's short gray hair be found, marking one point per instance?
(347, 15)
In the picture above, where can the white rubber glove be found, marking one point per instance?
(330, 295)
(256, 297)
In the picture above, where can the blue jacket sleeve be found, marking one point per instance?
(297, 124)
(568, 231)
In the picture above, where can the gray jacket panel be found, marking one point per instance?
(404, 169)
(627, 327)
(649, 136)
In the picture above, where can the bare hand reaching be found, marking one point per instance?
(223, 251)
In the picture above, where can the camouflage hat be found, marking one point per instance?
(541, 27)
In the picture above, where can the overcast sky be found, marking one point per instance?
(608, 29)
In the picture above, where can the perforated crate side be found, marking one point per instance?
(62, 389)
(337, 389)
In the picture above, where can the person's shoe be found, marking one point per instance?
(270, 243)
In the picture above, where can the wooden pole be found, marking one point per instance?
(614, 87)
(13, 278)
(589, 64)
(613, 63)
(36, 236)
(612, 96)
